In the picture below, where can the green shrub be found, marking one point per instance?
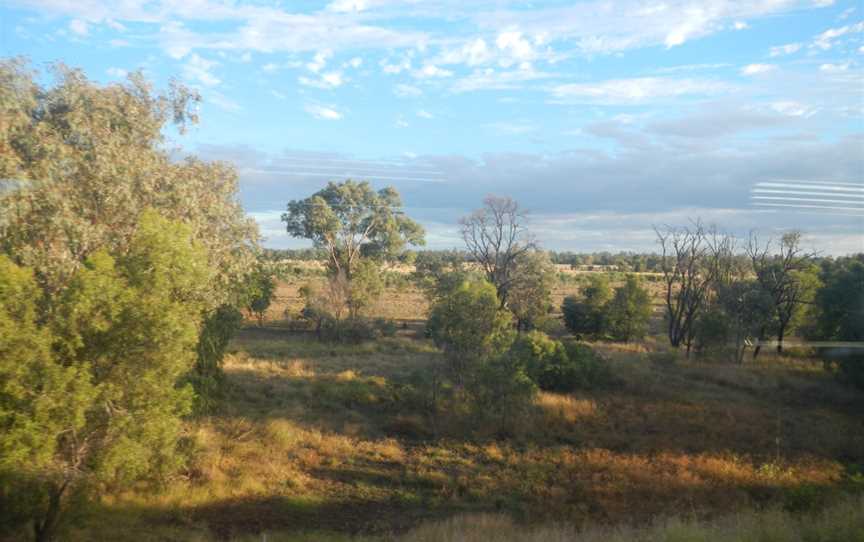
(557, 366)
(469, 325)
(586, 316)
(386, 327)
(501, 395)
(629, 311)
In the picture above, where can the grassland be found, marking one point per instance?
(328, 442)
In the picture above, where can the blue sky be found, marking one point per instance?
(601, 117)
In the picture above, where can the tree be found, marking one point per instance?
(261, 286)
(629, 311)
(587, 316)
(350, 220)
(746, 307)
(496, 236)
(469, 325)
(100, 397)
(531, 289)
(837, 314)
(89, 160)
(789, 278)
(691, 258)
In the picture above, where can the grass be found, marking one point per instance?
(328, 442)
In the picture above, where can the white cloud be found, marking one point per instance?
(119, 73)
(355, 62)
(278, 95)
(391, 68)
(323, 112)
(423, 114)
(347, 6)
(431, 70)
(794, 109)
(79, 27)
(407, 91)
(636, 90)
(222, 102)
(328, 80)
(319, 61)
(512, 128)
(826, 39)
(401, 122)
(518, 48)
(834, 68)
(490, 78)
(787, 49)
(198, 69)
(270, 67)
(740, 25)
(758, 69)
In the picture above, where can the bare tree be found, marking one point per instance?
(496, 236)
(693, 260)
(783, 276)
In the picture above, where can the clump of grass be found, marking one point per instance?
(842, 522)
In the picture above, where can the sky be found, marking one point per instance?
(602, 118)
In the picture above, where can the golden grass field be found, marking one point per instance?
(313, 442)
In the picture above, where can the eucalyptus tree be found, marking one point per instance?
(82, 162)
(350, 221)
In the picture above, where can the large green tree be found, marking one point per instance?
(837, 314)
(350, 220)
(81, 163)
(94, 392)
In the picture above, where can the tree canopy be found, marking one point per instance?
(351, 220)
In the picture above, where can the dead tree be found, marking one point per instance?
(692, 259)
(496, 236)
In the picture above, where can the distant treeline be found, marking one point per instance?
(620, 261)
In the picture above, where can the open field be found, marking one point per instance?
(329, 439)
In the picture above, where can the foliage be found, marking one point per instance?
(350, 220)
(260, 287)
(439, 273)
(217, 329)
(89, 161)
(99, 398)
(587, 317)
(364, 288)
(469, 326)
(628, 312)
(837, 314)
(531, 289)
(557, 366)
(746, 310)
(501, 394)
(788, 276)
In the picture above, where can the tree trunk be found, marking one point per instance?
(45, 530)
(780, 333)
(758, 343)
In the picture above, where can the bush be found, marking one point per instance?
(501, 394)
(470, 327)
(586, 316)
(628, 312)
(386, 327)
(557, 366)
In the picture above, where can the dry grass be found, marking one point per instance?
(317, 442)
